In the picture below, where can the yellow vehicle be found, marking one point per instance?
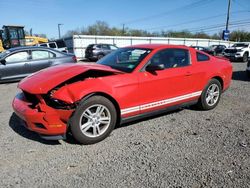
(1, 44)
(33, 40)
(11, 36)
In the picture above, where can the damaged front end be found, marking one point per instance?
(48, 113)
(40, 117)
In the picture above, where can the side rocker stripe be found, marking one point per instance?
(159, 103)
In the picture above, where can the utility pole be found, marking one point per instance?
(123, 29)
(225, 34)
(59, 30)
(228, 13)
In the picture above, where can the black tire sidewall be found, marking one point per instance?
(202, 102)
(74, 121)
(100, 56)
(245, 57)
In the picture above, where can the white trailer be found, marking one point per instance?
(78, 43)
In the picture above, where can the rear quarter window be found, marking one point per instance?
(52, 45)
(202, 57)
(60, 44)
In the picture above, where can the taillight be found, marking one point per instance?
(74, 58)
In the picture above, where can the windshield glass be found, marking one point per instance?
(125, 59)
(240, 45)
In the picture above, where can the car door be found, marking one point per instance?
(40, 59)
(113, 48)
(106, 49)
(170, 86)
(15, 66)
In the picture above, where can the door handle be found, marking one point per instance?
(188, 74)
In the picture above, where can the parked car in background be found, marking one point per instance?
(17, 63)
(57, 44)
(90, 99)
(248, 68)
(239, 51)
(98, 51)
(217, 49)
(203, 49)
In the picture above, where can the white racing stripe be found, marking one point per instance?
(160, 103)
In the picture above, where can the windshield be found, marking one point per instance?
(240, 45)
(125, 59)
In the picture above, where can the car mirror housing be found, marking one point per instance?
(151, 68)
(3, 61)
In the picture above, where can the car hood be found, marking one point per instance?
(43, 81)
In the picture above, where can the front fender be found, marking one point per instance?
(76, 91)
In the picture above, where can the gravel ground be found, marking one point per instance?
(185, 148)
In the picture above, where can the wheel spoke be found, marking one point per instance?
(86, 126)
(212, 100)
(216, 93)
(213, 88)
(99, 110)
(87, 114)
(98, 129)
(208, 99)
(94, 131)
(104, 120)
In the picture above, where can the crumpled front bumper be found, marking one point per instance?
(42, 119)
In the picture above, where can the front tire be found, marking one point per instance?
(93, 120)
(210, 96)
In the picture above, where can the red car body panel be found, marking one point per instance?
(134, 93)
(53, 76)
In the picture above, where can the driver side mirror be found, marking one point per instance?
(3, 61)
(152, 68)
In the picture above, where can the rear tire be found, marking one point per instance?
(248, 74)
(100, 56)
(93, 120)
(210, 96)
(245, 57)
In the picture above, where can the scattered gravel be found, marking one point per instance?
(185, 148)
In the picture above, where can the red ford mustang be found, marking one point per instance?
(133, 82)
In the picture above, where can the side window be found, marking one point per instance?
(105, 47)
(113, 47)
(19, 56)
(44, 45)
(202, 57)
(52, 45)
(171, 58)
(41, 54)
(60, 44)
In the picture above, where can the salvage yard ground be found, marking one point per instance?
(185, 148)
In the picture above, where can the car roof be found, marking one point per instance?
(28, 48)
(156, 46)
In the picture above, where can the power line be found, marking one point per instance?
(222, 26)
(196, 20)
(237, 23)
(188, 6)
(241, 5)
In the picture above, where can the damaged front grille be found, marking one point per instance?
(230, 50)
(31, 98)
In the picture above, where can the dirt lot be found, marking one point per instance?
(186, 148)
